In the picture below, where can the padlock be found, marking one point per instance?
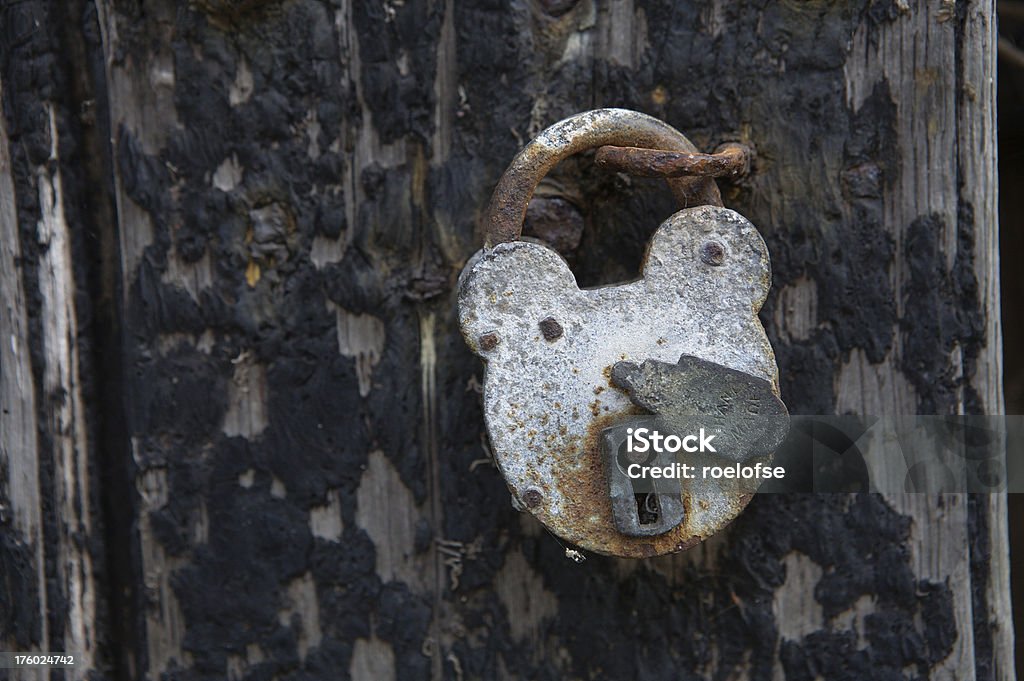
(571, 373)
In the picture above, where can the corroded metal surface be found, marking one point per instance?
(578, 133)
(547, 397)
(743, 410)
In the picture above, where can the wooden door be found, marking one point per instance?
(241, 436)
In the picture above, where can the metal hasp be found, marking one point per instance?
(747, 418)
(554, 382)
(744, 411)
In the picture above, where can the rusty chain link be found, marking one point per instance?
(731, 160)
(654, 149)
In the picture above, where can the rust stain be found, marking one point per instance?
(586, 517)
(488, 341)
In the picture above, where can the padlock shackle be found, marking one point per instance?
(588, 130)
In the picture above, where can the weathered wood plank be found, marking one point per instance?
(61, 573)
(24, 623)
(49, 339)
(65, 410)
(978, 160)
(930, 200)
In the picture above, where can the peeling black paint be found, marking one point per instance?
(310, 450)
(724, 621)
(980, 561)
(398, 57)
(942, 311)
(319, 430)
(21, 622)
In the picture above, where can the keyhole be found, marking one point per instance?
(648, 511)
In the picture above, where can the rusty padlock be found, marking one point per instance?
(571, 374)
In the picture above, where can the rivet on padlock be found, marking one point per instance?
(568, 370)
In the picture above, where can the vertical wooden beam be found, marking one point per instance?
(977, 156)
(65, 410)
(24, 581)
(52, 514)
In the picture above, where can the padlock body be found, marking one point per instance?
(550, 348)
